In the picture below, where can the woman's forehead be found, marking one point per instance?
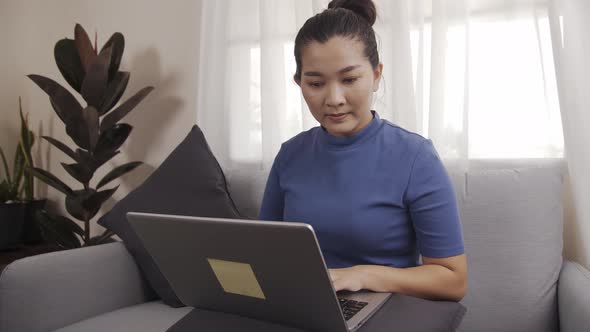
(332, 56)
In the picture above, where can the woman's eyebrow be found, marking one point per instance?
(341, 71)
(347, 69)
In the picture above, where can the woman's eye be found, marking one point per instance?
(349, 80)
(315, 84)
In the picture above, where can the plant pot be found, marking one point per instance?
(11, 225)
(31, 227)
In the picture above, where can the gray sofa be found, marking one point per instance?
(512, 222)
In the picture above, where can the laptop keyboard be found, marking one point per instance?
(350, 307)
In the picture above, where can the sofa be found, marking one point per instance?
(512, 216)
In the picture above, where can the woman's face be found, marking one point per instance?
(337, 82)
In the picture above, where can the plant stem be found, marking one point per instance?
(86, 231)
(87, 220)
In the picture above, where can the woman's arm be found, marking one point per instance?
(435, 279)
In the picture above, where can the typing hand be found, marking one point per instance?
(346, 279)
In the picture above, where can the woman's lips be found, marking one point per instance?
(337, 117)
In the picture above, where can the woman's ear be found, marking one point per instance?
(377, 74)
(297, 79)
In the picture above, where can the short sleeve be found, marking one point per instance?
(273, 198)
(432, 205)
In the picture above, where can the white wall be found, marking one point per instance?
(9, 62)
(161, 49)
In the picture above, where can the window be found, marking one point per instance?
(498, 86)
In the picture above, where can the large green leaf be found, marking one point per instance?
(77, 134)
(93, 162)
(94, 202)
(85, 204)
(100, 159)
(96, 79)
(111, 139)
(64, 103)
(74, 204)
(85, 50)
(72, 225)
(117, 42)
(61, 146)
(123, 109)
(114, 91)
(84, 131)
(58, 110)
(84, 157)
(117, 172)
(69, 64)
(79, 172)
(59, 230)
(51, 180)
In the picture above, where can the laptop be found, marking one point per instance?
(272, 271)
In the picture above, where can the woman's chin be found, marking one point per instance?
(340, 129)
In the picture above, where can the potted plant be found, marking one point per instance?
(17, 192)
(95, 129)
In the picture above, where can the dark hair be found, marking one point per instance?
(346, 18)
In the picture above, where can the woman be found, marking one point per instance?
(377, 196)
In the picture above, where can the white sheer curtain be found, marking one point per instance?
(477, 77)
(570, 23)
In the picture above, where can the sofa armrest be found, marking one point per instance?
(53, 290)
(573, 292)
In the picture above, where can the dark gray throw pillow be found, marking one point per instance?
(189, 182)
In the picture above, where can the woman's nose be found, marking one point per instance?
(335, 96)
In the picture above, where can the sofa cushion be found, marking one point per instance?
(574, 297)
(146, 317)
(512, 225)
(189, 182)
(511, 212)
(247, 184)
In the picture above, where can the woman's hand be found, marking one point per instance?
(350, 278)
(435, 279)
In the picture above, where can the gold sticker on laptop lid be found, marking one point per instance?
(236, 278)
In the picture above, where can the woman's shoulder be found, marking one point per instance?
(399, 137)
(298, 142)
(301, 138)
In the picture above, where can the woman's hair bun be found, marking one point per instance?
(364, 8)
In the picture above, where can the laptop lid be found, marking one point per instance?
(272, 271)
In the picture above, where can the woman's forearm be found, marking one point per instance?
(429, 281)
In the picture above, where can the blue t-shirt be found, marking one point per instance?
(381, 196)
